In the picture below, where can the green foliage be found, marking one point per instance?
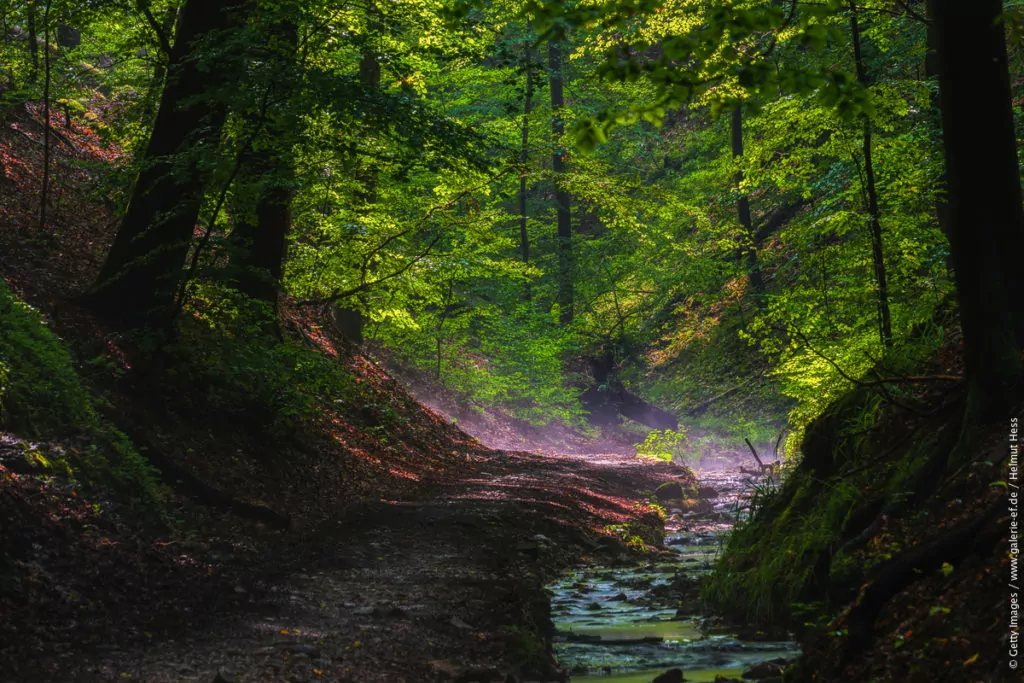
(228, 348)
(42, 395)
(662, 444)
(40, 391)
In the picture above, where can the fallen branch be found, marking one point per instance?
(754, 452)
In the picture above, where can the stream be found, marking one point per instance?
(629, 625)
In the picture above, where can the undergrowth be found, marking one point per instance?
(248, 371)
(786, 559)
(42, 396)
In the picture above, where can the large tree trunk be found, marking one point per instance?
(350, 319)
(984, 199)
(562, 199)
(931, 70)
(260, 236)
(748, 256)
(877, 252)
(142, 272)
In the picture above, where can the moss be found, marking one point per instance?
(43, 396)
(675, 491)
(785, 554)
(40, 392)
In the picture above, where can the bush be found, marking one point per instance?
(40, 391)
(42, 395)
(226, 349)
(662, 444)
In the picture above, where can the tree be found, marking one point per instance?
(877, 253)
(143, 269)
(259, 238)
(748, 254)
(562, 197)
(524, 153)
(984, 199)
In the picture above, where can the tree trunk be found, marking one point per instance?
(984, 199)
(524, 155)
(44, 194)
(562, 199)
(140, 277)
(68, 36)
(260, 237)
(367, 195)
(931, 70)
(33, 41)
(877, 252)
(748, 256)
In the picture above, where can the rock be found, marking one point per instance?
(541, 538)
(621, 597)
(460, 624)
(444, 670)
(762, 670)
(310, 651)
(448, 671)
(708, 492)
(593, 607)
(670, 676)
(697, 505)
(480, 675)
(225, 676)
(670, 490)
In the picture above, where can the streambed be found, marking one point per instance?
(630, 624)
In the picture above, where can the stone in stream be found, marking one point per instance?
(672, 490)
(670, 676)
(762, 671)
(708, 492)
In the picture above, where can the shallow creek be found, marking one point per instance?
(627, 624)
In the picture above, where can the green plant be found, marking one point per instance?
(225, 348)
(42, 394)
(662, 444)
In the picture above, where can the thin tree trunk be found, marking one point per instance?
(748, 256)
(984, 200)
(877, 252)
(140, 277)
(524, 155)
(33, 42)
(562, 199)
(44, 194)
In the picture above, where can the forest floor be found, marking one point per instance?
(446, 585)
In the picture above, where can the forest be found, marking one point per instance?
(641, 341)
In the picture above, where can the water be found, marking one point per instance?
(628, 624)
